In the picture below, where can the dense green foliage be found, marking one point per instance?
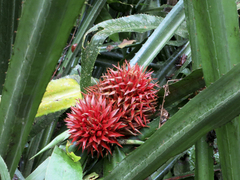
(187, 44)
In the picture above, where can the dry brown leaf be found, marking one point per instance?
(126, 42)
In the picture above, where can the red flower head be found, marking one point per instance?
(94, 122)
(133, 92)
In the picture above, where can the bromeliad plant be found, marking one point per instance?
(116, 109)
(120, 104)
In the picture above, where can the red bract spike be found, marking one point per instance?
(114, 134)
(100, 150)
(105, 146)
(105, 139)
(90, 126)
(132, 90)
(95, 146)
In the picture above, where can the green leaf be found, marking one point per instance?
(191, 22)
(31, 151)
(4, 174)
(43, 122)
(184, 87)
(91, 15)
(217, 32)
(110, 162)
(62, 167)
(134, 23)
(60, 94)
(9, 13)
(54, 142)
(40, 172)
(103, 16)
(211, 108)
(45, 139)
(42, 33)
(160, 36)
(169, 68)
(19, 175)
(204, 161)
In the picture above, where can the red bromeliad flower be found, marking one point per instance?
(94, 123)
(133, 92)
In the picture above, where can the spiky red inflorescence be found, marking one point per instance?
(132, 90)
(94, 123)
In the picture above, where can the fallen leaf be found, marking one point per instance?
(126, 43)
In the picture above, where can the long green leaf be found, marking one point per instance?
(218, 36)
(203, 152)
(160, 36)
(61, 137)
(42, 33)
(111, 161)
(191, 22)
(19, 175)
(203, 160)
(46, 138)
(211, 108)
(4, 174)
(31, 151)
(88, 21)
(9, 13)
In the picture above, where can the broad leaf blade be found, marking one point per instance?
(60, 94)
(40, 172)
(62, 167)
